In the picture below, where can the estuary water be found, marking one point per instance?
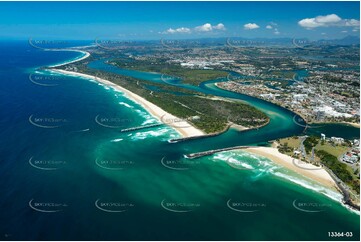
(68, 173)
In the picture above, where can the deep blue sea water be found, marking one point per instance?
(67, 173)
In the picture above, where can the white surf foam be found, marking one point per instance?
(149, 121)
(310, 185)
(151, 133)
(125, 104)
(116, 140)
(267, 167)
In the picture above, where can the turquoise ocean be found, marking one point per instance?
(68, 173)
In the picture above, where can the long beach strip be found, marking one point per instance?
(187, 130)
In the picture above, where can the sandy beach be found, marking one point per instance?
(308, 170)
(184, 128)
(86, 55)
(181, 126)
(356, 125)
(239, 127)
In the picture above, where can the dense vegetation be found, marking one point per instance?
(340, 169)
(282, 74)
(310, 142)
(190, 76)
(327, 154)
(203, 111)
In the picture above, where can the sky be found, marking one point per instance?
(178, 20)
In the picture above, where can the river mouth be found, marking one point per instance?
(284, 122)
(279, 117)
(136, 185)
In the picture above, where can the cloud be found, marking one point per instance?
(181, 30)
(273, 26)
(208, 27)
(219, 26)
(204, 28)
(352, 22)
(250, 26)
(327, 21)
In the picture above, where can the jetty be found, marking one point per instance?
(211, 152)
(140, 127)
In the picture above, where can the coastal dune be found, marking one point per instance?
(181, 126)
(185, 129)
